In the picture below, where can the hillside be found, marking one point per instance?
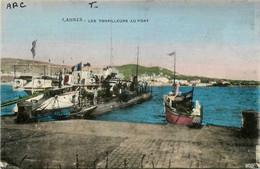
(127, 70)
(130, 69)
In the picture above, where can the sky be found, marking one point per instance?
(211, 38)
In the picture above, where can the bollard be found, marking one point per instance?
(24, 112)
(249, 123)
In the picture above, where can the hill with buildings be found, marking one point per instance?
(129, 70)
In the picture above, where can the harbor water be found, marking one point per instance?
(221, 105)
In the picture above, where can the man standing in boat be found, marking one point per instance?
(60, 79)
(175, 91)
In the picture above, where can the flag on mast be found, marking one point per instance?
(171, 54)
(33, 48)
(79, 66)
(73, 68)
(87, 65)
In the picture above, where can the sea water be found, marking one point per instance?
(8, 94)
(221, 105)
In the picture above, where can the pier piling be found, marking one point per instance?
(250, 124)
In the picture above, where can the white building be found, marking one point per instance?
(195, 81)
(161, 79)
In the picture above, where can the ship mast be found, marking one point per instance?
(174, 55)
(137, 58)
(174, 68)
(111, 48)
(33, 77)
(33, 55)
(137, 61)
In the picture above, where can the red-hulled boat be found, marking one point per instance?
(179, 108)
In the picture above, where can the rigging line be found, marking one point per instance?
(54, 103)
(40, 106)
(45, 106)
(58, 102)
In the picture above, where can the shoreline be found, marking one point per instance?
(10, 83)
(167, 85)
(170, 85)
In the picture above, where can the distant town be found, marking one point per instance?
(154, 76)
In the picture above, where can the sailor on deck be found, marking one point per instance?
(60, 79)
